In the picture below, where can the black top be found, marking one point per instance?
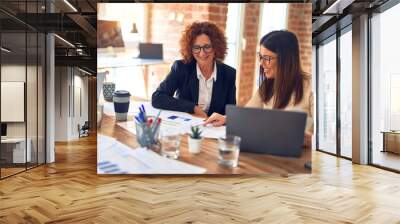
(182, 82)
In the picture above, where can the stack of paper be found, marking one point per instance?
(115, 158)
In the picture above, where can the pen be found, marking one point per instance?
(142, 115)
(144, 111)
(137, 119)
(149, 122)
(156, 124)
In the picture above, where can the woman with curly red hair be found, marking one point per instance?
(201, 83)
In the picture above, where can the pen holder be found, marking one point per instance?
(147, 134)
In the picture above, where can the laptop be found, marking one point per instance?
(274, 132)
(150, 51)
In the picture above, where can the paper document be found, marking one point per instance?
(171, 127)
(172, 121)
(113, 157)
(165, 128)
(178, 117)
(214, 132)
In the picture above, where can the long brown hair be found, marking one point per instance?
(289, 77)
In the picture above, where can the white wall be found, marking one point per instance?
(69, 85)
(82, 82)
(80, 94)
(61, 103)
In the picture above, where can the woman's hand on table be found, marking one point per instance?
(216, 120)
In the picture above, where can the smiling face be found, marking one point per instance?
(205, 55)
(268, 62)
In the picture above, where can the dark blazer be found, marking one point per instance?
(182, 82)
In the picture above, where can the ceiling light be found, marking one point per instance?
(79, 51)
(86, 72)
(78, 44)
(65, 41)
(5, 50)
(70, 5)
(337, 7)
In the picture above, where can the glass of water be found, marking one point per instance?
(228, 150)
(170, 144)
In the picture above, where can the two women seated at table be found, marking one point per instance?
(203, 85)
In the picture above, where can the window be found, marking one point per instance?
(346, 94)
(327, 96)
(394, 102)
(127, 14)
(385, 84)
(233, 28)
(273, 17)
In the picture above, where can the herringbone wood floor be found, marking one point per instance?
(70, 191)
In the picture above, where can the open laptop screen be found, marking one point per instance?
(150, 51)
(274, 132)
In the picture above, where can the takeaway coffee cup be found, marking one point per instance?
(121, 104)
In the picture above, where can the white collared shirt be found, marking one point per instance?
(205, 88)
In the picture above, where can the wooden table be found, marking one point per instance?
(391, 141)
(249, 163)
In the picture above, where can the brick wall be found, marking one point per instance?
(246, 73)
(299, 22)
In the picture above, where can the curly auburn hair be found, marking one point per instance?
(216, 35)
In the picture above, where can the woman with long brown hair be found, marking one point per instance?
(283, 84)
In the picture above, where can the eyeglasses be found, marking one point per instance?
(207, 48)
(264, 58)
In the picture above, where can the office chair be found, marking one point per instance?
(84, 130)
